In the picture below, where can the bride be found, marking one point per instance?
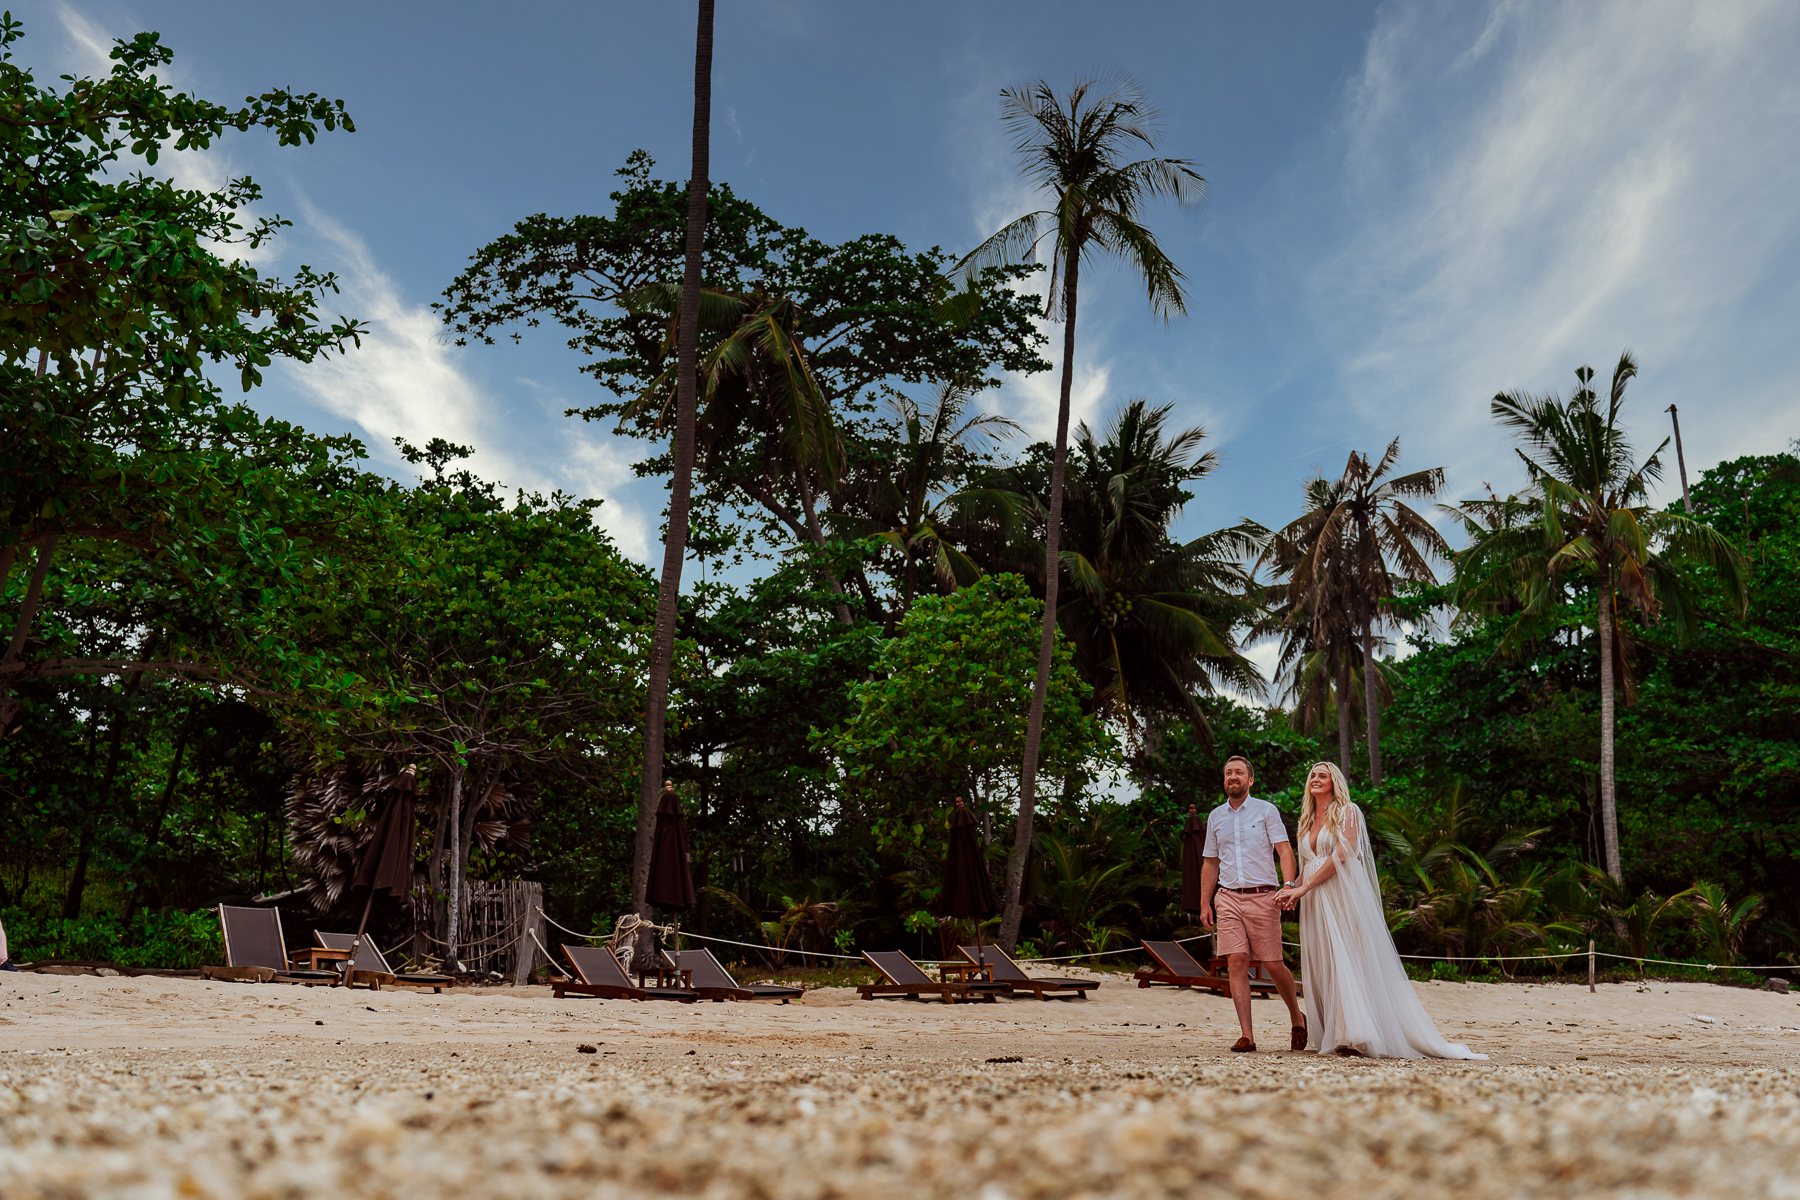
(1358, 999)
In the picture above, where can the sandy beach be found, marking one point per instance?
(177, 1087)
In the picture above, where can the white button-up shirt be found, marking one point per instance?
(1243, 839)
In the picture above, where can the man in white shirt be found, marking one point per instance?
(1243, 837)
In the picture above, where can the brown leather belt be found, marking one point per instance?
(1255, 891)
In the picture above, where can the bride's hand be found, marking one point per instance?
(1290, 897)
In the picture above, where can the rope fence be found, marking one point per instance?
(926, 962)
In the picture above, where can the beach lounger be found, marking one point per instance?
(372, 965)
(1002, 969)
(904, 978)
(255, 949)
(708, 977)
(598, 973)
(1175, 967)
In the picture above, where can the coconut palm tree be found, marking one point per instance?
(1357, 538)
(1074, 150)
(764, 425)
(1590, 520)
(1307, 611)
(668, 596)
(1153, 622)
(911, 501)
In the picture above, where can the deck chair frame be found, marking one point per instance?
(731, 989)
(899, 960)
(240, 947)
(377, 965)
(1169, 970)
(583, 985)
(1019, 981)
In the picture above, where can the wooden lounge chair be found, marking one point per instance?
(256, 950)
(904, 978)
(708, 977)
(1175, 967)
(372, 965)
(1003, 969)
(598, 973)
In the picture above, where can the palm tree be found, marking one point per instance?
(1357, 537)
(1590, 520)
(765, 422)
(1074, 153)
(1151, 620)
(909, 501)
(1308, 613)
(668, 596)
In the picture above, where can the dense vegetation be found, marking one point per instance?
(224, 634)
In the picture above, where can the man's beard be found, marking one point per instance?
(1234, 790)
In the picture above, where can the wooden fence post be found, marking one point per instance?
(531, 921)
(1590, 964)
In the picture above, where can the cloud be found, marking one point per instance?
(1535, 187)
(403, 382)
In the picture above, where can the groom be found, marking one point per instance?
(1242, 837)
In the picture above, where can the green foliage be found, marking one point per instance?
(166, 940)
(946, 714)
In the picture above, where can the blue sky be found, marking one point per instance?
(1413, 205)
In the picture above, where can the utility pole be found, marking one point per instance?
(1681, 461)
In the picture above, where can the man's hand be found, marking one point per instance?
(1206, 916)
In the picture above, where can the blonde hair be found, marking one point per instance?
(1340, 799)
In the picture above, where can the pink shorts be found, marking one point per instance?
(1248, 924)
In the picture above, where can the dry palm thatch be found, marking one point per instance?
(330, 823)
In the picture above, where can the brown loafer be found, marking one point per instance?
(1243, 1046)
(1297, 1038)
(1349, 1052)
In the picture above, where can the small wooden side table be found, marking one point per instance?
(965, 972)
(314, 958)
(681, 977)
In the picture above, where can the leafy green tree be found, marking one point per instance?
(865, 313)
(1074, 152)
(1592, 520)
(500, 642)
(115, 301)
(947, 711)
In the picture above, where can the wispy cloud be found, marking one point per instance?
(404, 382)
(1540, 186)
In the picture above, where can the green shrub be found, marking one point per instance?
(171, 941)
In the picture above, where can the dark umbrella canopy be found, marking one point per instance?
(967, 892)
(1193, 849)
(671, 875)
(387, 864)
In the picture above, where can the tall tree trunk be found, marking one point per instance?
(1014, 912)
(1343, 707)
(1371, 684)
(1609, 807)
(453, 902)
(668, 596)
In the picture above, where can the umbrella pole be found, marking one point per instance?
(349, 976)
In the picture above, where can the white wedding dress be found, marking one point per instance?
(1357, 993)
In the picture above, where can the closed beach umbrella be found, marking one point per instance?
(671, 875)
(1193, 850)
(387, 863)
(967, 892)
